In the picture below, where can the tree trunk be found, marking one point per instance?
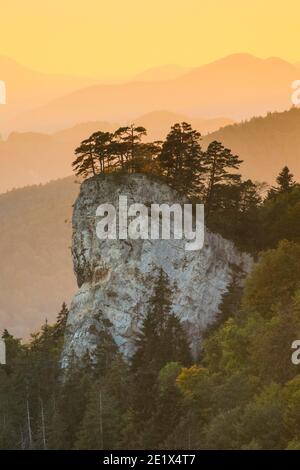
(29, 424)
(100, 420)
(43, 425)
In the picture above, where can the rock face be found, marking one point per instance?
(114, 275)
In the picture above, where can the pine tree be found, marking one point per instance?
(106, 350)
(61, 322)
(249, 197)
(86, 162)
(175, 338)
(103, 150)
(94, 155)
(284, 182)
(181, 159)
(161, 340)
(100, 426)
(167, 410)
(73, 396)
(149, 341)
(58, 430)
(127, 145)
(218, 161)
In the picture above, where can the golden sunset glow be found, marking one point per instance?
(116, 38)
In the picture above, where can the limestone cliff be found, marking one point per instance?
(113, 275)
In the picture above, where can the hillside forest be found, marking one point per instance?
(242, 392)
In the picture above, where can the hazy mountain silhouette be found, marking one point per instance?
(158, 123)
(36, 267)
(238, 86)
(27, 88)
(265, 144)
(33, 158)
(165, 72)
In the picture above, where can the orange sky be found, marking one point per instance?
(117, 38)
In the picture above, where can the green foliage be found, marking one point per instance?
(103, 418)
(279, 218)
(104, 152)
(209, 176)
(242, 394)
(284, 182)
(181, 159)
(274, 280)
(219, 163)
(161, 340)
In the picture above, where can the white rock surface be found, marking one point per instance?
(113, 276)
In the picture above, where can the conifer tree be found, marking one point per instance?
(181, 159)
(106, 350)
(86, 162)
(149, 341)
(175, 338)
(103, 150)
(161, 340)
(219, 163)
(101, 423)
(127, 145)
(61, 322)
(285, 183)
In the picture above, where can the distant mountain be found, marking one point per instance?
(238, 86)
(165, 72)
(36, 269)
(265, 144)
(74, 135)
(27, 89)
(32, 158)
(158, 123)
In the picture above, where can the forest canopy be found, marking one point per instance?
(241, 392)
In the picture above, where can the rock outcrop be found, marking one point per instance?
(114, 275)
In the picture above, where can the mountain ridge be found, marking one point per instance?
(238, 86)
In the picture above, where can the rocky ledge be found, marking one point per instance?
(114, 275)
